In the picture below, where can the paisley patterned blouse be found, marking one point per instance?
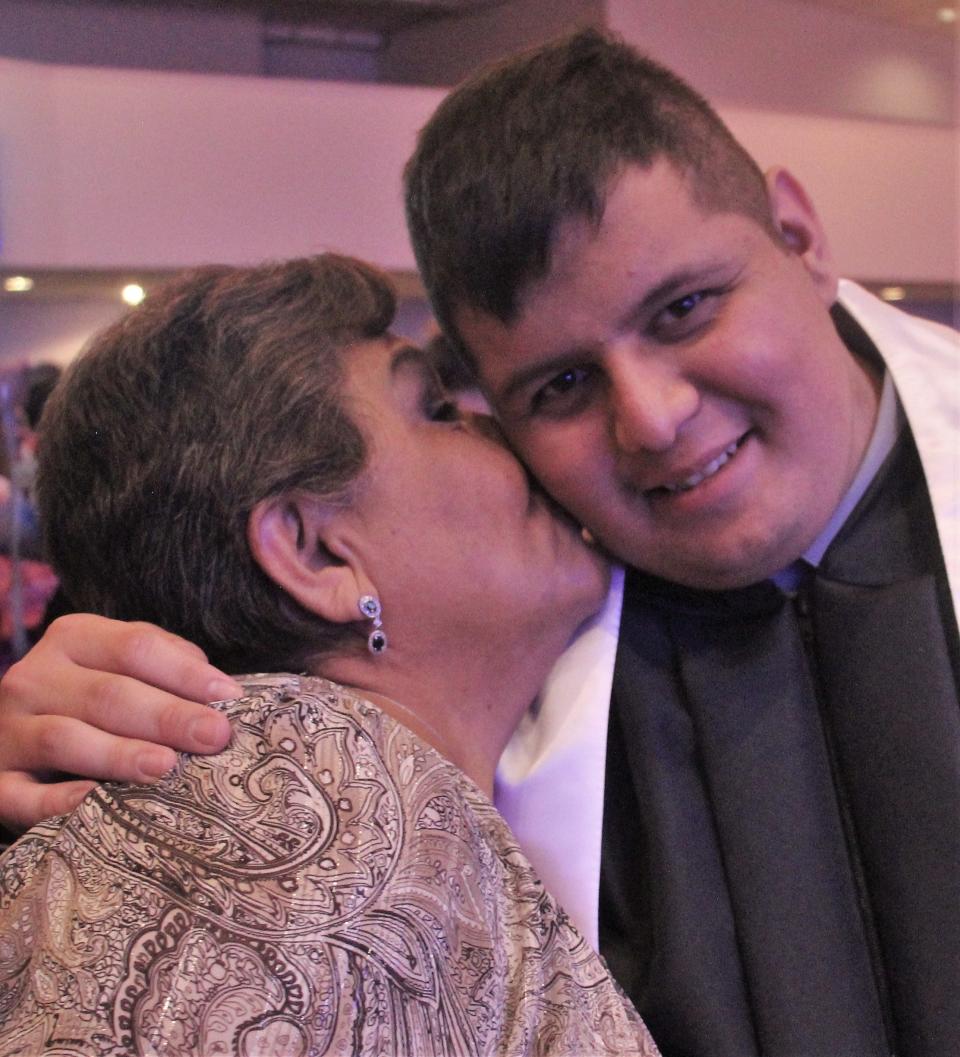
(329, 884)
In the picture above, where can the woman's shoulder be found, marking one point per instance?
(256, 833)
(307, 816)
(326, 852)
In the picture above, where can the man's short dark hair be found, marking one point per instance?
(537, 139)
(218, 392)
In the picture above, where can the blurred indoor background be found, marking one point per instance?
(141, 137)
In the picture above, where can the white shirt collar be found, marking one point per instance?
(886, 429)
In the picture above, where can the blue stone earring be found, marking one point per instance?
(369, 606)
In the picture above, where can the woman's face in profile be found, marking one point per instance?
(449, 520)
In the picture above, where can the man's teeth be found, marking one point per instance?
(708, 471)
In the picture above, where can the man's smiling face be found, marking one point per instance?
(676, 381)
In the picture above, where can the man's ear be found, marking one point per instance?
(800, 230)
(294, 540)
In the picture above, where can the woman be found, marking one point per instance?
(251, 460)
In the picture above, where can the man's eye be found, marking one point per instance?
(565, 391)
(563, 383)
(683, 306)
(686, 315)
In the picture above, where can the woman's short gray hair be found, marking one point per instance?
(221, 390)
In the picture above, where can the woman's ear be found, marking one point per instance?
(800, 230)
(295, 541)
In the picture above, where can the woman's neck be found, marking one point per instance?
(466, 709)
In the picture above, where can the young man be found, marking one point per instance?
(658, 328)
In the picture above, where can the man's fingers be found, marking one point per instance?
(140, 651)
(96, 705)
(131, 709)
(24, 801)
(130, 680)
(93, 696)
(114, 703)
(59, 743)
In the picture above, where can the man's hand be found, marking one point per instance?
(102, 699)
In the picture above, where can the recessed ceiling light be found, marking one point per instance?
(947, 14)
(893, 293)
(17, 284)
(133, 293)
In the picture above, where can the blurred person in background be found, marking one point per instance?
(27, 583)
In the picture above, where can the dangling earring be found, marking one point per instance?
(369, 606)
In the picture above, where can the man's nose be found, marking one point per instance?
(649, 403)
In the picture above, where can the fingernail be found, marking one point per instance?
(207, 731)
(77, 794)
(222, 688)
(154, 763)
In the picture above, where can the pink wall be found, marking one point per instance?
(123, 168)
(112, 168)
(886, 192)
(799, 57)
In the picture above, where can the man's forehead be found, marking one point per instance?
(654, 242)
(560, 319)
(486, 338)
